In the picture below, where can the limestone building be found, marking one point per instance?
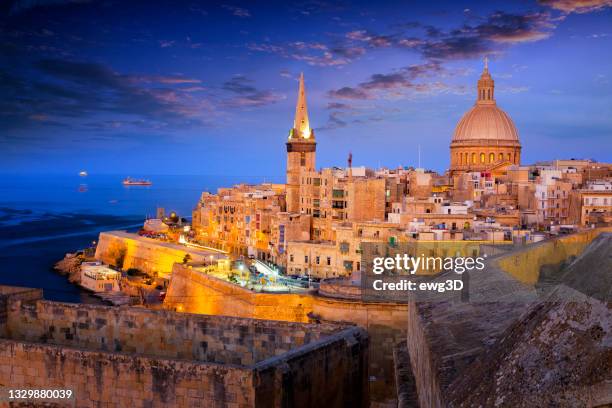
(485, 138)
(301, 153)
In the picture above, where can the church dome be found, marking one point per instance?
(485, 138)
(485, 122)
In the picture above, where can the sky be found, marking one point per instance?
(187, 87)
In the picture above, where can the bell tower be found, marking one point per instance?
(301, 150)
(486, 86)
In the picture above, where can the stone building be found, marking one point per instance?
(307, 219)
(596, 202)
(485, 138)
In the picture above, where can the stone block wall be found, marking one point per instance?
(218, 339)
(196, 292)
(125, 251)
(385, 323)
(16, 293)
(132, 357)
(303, 378)
(525, 265)
(386, 326)
(99, 379)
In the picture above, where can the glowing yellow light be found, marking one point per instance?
(306, 133)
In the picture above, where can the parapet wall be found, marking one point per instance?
(123, 380)
(195, 292)
(525, 265)
(125, 251)
(132, 357)
(446, 339)
(217, 339)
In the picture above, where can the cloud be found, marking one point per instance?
(175, 80)
(338, 105)
(285, 73)
(515, 28)
(577, 6)
(347, 92)
(499, 29)
(237, 11)
(166, 43)
(374, 40)
(392, 84)
(314, 53)
(21, 6)
(245, 94)
(71, 91)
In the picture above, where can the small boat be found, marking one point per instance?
(136, 182)
(83, 173)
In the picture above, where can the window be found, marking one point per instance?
(473, 158)
(328, 261)
(482, 157)
(501, 157)
(491, 157)
(291, 258)
(302, 158)
(306, 259)
(317, 259)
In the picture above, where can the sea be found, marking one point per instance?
(45, 216)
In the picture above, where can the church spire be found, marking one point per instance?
(301, 125)
(486, 86)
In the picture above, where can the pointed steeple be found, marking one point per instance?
(486, 86)
(301, 125)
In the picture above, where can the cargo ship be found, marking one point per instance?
(136, 182)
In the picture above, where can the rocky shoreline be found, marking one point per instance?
(70, 266)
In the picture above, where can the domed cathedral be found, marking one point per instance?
(485, 138)
(301, 150)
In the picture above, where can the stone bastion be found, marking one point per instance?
(133, 357)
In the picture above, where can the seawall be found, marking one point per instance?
(126, 250)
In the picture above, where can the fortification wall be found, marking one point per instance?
(215, 339)
(194, 292)
(122, 380)
(386, 327)
(126, 251)
(385, 323)
(525, 265)
(444, 339)
(132, 357)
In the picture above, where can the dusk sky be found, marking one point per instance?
(151, 87)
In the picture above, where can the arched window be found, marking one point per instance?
(465, 158)
(473, 158)
(501, 157)
(489, 94)
(509, 157)
(482, 157)
(491, 157)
